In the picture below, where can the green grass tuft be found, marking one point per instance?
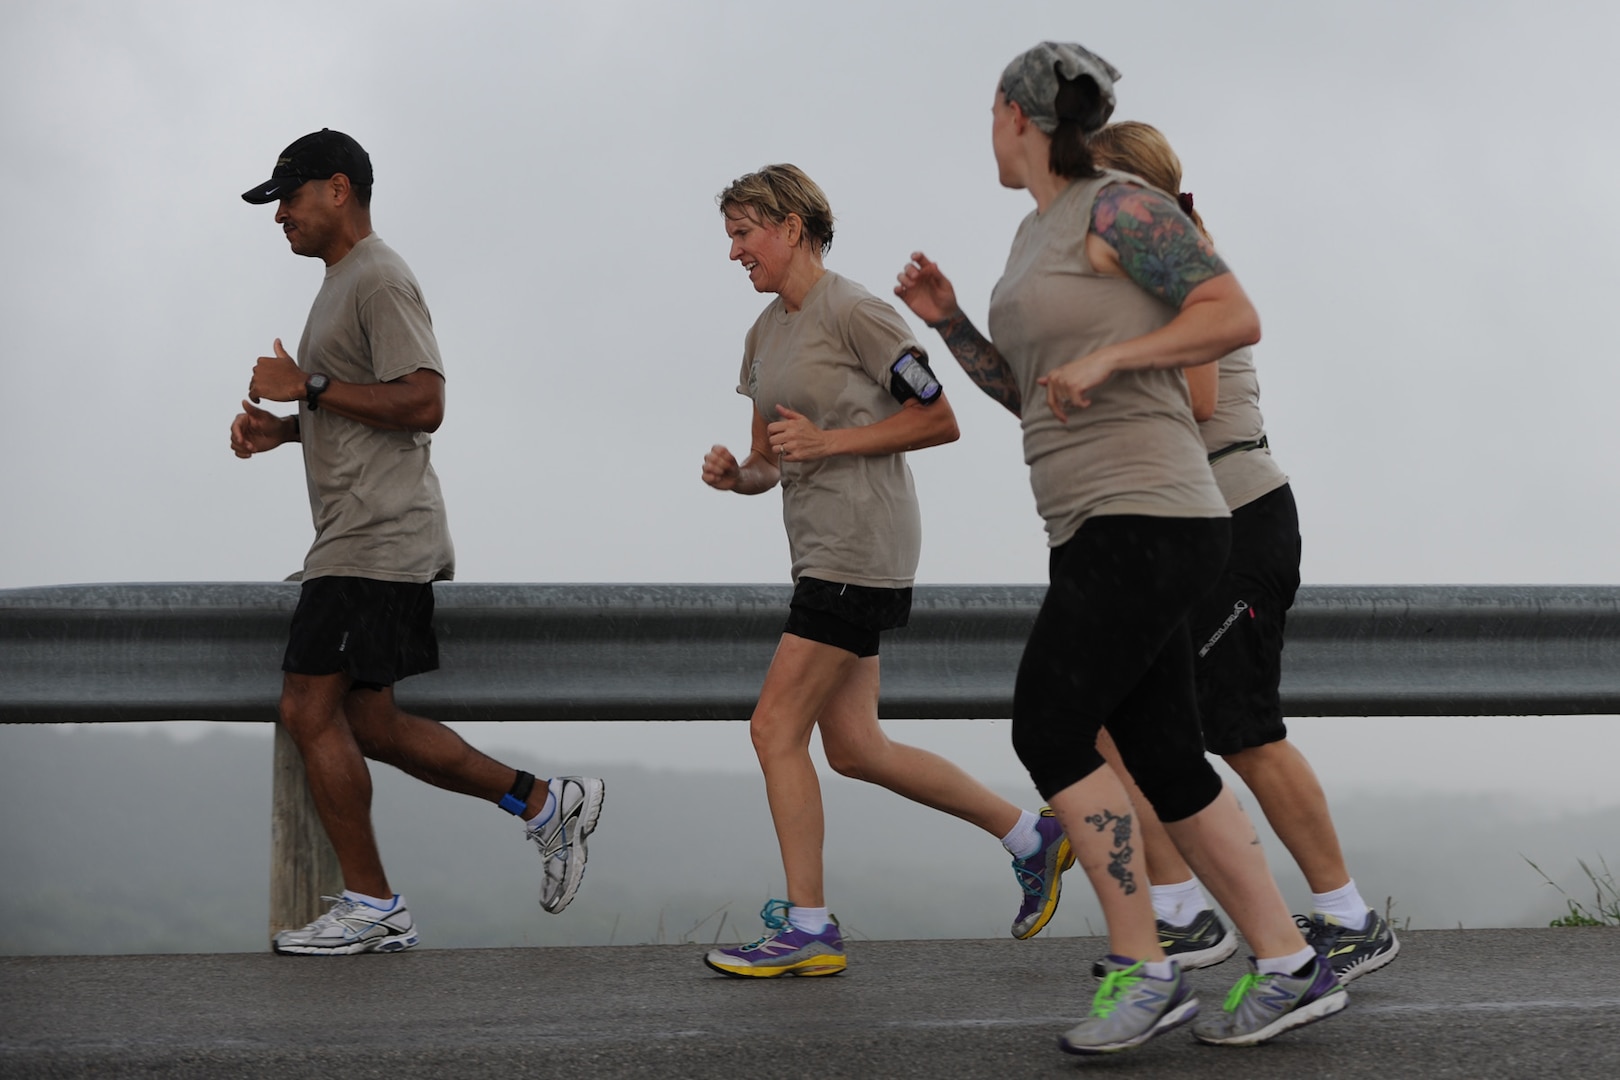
(1605, 909)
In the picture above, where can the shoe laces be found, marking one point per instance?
(341, 906)
(774, 915)
(1241, 990)
(1320, 934)
(1032, 882)
(1114, 986)
(547, 835)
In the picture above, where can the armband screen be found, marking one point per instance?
(913, 379)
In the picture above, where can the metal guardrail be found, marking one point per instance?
(699, 652)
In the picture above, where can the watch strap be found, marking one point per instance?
(314, 388)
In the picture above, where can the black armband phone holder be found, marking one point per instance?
(913, 378)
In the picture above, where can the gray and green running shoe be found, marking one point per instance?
(1261, 1007)
(1351, 953)
(1129, 1009)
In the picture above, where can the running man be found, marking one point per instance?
(369, 385)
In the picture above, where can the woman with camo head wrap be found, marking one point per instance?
(1109, 291)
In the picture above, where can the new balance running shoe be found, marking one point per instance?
(351, 926)
(561, 839)
(1351, 953)
(1129, 1009)
(1204, 942)
(784, 950)
(1261, 1007)
(1040, 876)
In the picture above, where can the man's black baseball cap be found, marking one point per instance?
(316, 156)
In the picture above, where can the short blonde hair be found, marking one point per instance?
(776, 191)
(1142, 150)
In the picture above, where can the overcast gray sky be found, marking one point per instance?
(1419, 197)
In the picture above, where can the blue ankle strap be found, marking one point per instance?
(516, 801)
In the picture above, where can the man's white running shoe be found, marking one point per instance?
(350, 927)
(561, 839)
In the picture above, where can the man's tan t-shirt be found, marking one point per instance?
(373, 493)
(851, 519)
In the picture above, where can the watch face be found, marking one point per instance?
(317, 383)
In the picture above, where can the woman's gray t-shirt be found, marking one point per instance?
(851, 519)
(1243, 477)
(1136, 448)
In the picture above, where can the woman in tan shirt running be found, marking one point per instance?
(840, 391)
(1237, 631)
(1108, 292)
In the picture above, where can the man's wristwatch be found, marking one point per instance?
(314, 388)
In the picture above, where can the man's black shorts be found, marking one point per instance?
(375, 632)
(1237, 628)
(848, 617)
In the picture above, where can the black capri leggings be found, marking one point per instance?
(1110, 648)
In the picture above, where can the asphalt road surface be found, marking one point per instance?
(1469, 1004)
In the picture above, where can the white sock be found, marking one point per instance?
(1158, 969)
(1285, 965)
(1022, 840)
(812, 920)
(372, 901)
(547, 812)
(1179, 904)
(1344, 906)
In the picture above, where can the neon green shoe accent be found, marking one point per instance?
(1114, 987)
(1241, 991)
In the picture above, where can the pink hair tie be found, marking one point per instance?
(1186, 201)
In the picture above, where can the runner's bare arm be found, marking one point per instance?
(757, 473)
(414, 402)
(1141, 234)
(930, 295)
(915, 427)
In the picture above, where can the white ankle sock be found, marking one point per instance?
(1179, 904)
(1022, 840)
(812, 920)
(1158, 969)
(372, 901)
(547, 811)
(1285, 965)
(1344, 906)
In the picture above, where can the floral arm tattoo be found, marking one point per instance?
(981, 360)
(1119, 863)
(1159, 246)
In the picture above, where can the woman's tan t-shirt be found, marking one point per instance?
(1243, 477)
(1136, 449)
(850, 519)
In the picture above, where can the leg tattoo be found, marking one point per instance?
(1119, 864)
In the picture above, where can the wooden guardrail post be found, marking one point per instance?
(303, 866)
